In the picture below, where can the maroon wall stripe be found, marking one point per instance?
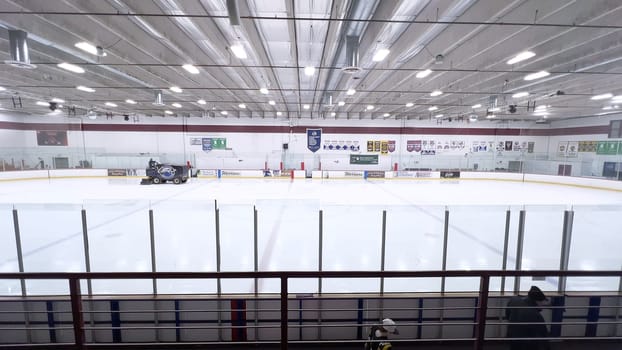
(583, 130)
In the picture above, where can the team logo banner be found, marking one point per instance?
(314, 137)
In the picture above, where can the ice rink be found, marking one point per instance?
(117, 215)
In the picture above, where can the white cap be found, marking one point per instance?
(389, 325)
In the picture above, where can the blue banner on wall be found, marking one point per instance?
(207, 144)
(314, 137)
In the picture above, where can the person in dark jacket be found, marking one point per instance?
(525, 321)
(378, 338)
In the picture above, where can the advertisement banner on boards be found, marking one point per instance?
(450, 174)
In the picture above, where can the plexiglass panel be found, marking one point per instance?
(185, 240)
(475, 241)
(119, 242)
(595, 245)
(288, 235)
(8, 251)
(51, 236)
(236, 245)
(542, 242)
(414, 241)
(352, 240)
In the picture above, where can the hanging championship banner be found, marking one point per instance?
(207, 144)
(314, 137)
(573, 149)
(391, 146)
(384, 147)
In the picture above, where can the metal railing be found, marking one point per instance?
(78, 321)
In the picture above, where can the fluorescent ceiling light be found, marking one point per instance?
(175, 89)
(92, 49)
(279, 114)
(242, 105)
(332, 114)
(538, 75)
(176, 105)
(607, 108)
(168, 112)
(602, 96)
(380, 55)
(410, 104)
(520, 94)
(224, 112)
(476, 106)
(190, 68)
(386, 115)
(309, 70)
(541, 107)
(238, 51)
(494, 109)
(201, 102)
(438, 116)
(525, 55)
(490, 116)
(271, 102)
(2, 89)
(71, 67)
(350, 92)
(110, 104)
(58, 100)
(423, 73)
(264, 91)
(84, 88)
(341, 103)
(615, 98)
(132, 102)
(41, 103)
(436, 93)
(370, 107)
(433, 108)
(306, 106)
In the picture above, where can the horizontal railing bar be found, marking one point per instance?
(569, 323)
(273, 326)
(31, 329)
(271, 310)
(309, 309)
(544, 307)
(303, 274)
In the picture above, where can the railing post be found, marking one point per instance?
(519, 248)
(284, 313)
(480, 325)
(565, 249)
(256, 264)
(506, 240)
(76, 312)
(445, 238)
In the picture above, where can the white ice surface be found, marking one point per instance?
(288, 215)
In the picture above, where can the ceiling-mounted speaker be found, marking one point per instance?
(18, 45)
(233, 12)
